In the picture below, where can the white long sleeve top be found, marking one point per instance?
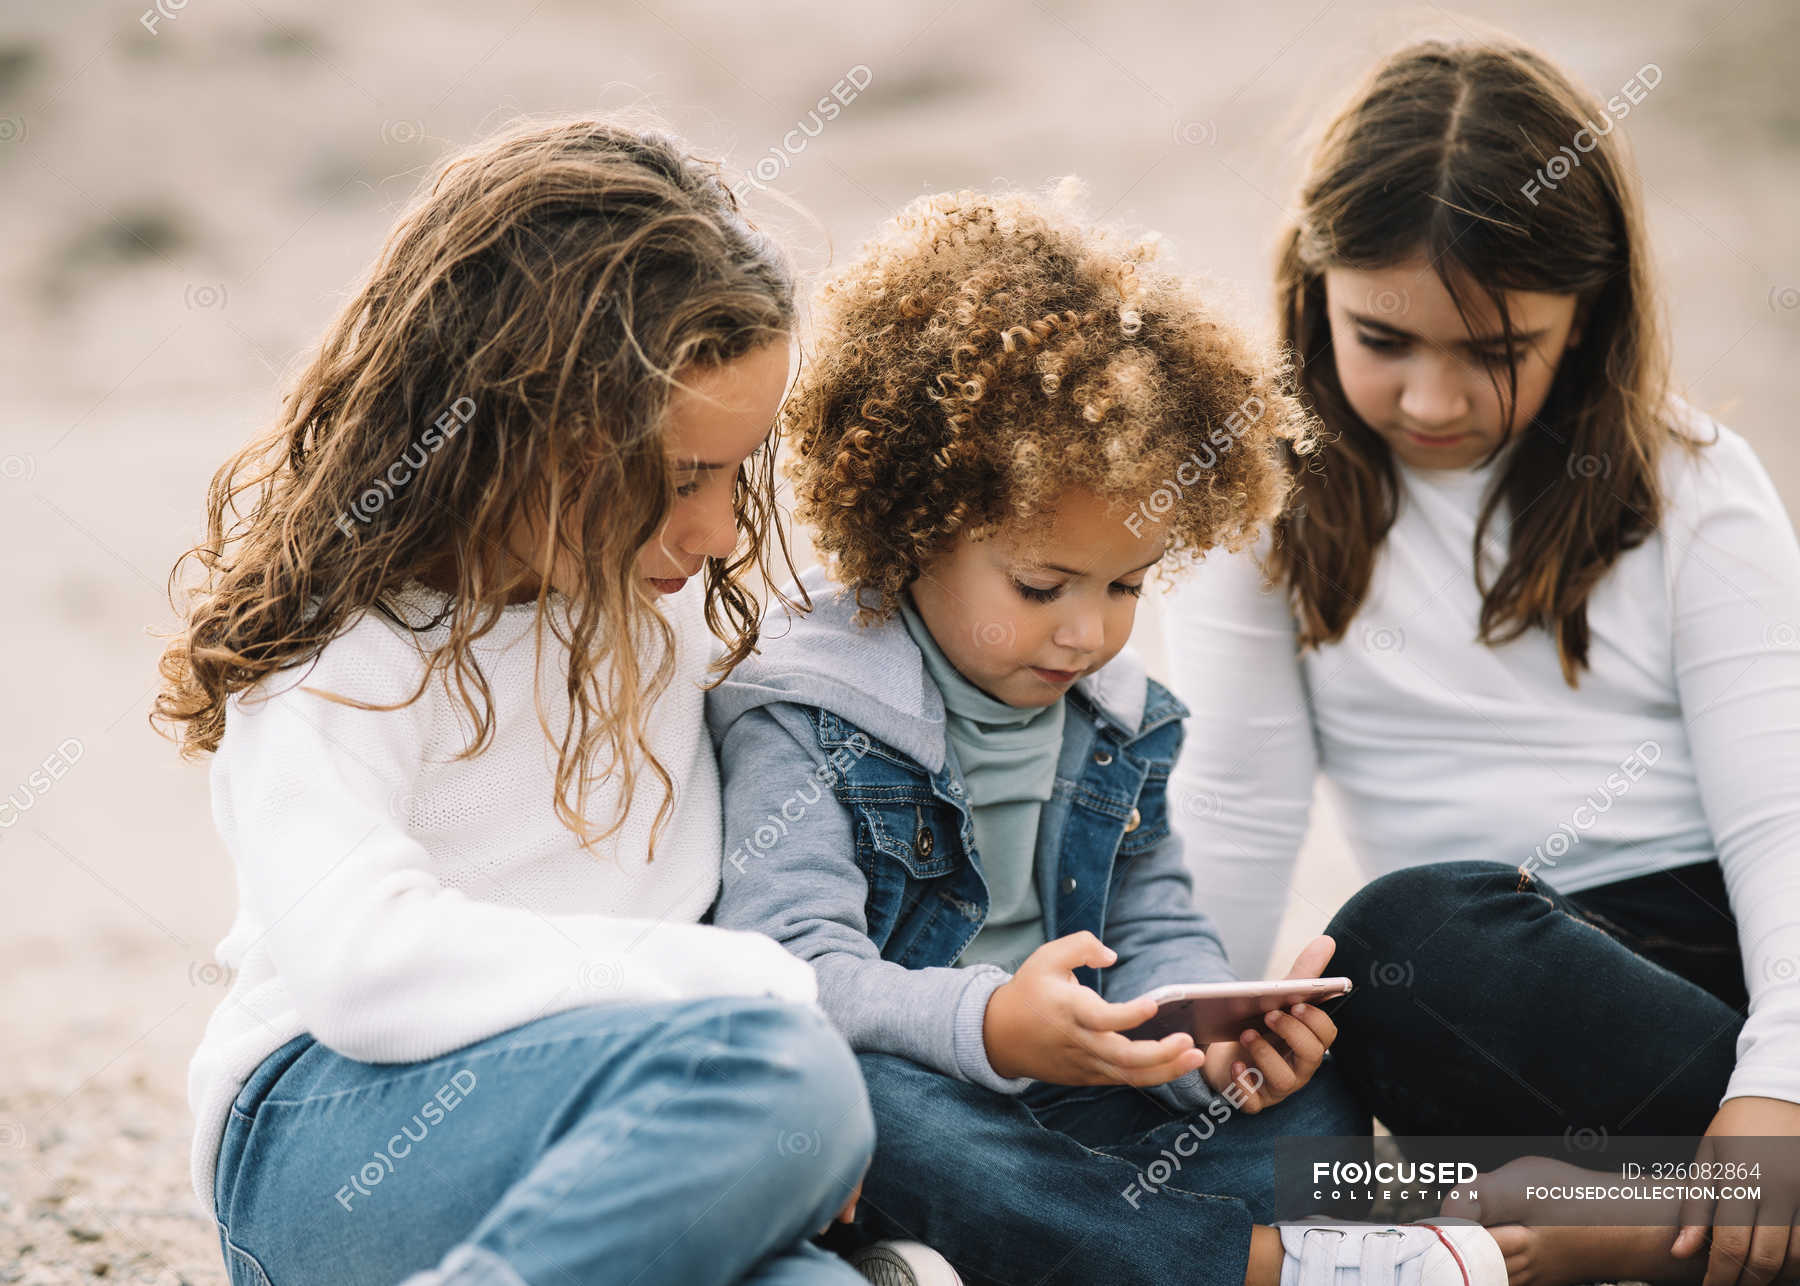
(398, 903)
(1680, 745)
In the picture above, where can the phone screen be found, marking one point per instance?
(1216, 1018)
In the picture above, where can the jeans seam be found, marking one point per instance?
(1615, 930)
(236, 1255)
(1578, 916)
(1581, 919)
(1631, 939)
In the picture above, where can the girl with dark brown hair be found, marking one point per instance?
(441, 654)
(1535, 620)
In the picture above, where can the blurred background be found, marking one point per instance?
(191, 186)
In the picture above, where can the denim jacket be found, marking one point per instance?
(849, 837)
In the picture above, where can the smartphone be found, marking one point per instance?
(1211, 1011)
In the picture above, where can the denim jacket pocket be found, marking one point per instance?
(1148, 825)
(895, 824)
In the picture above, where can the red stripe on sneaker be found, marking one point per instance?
(1451, 1247)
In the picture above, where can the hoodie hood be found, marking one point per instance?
(874, 676)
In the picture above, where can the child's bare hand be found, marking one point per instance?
(1262, 1074)
(1046, 1025)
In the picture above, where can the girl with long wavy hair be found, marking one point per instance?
(1533, 618)
(442, 656)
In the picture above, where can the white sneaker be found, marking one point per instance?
(904, 1263)
(1417, 1254)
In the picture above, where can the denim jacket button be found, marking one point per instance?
(923, 841)
(1131, 823)
(1102, 757)
(956, 788)
(1068, 884)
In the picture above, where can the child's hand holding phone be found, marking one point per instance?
(1044, 1024)
(1306, 1030)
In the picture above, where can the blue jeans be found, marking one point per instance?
(1488, 1003)
(693, 1142)
(1077, 1184)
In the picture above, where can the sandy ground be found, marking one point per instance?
(184, 206)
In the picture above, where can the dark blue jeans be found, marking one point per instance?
(1078, 1184)
(1488, 1003)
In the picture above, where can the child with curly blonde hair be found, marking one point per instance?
(946, 786)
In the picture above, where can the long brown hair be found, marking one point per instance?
(536, 304)
(1435, 154)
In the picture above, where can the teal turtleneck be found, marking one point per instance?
(1008, 759)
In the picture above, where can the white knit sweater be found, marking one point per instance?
(399, 904)
(1681, 744)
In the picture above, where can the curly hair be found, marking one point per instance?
(557, 278)
(985, 352)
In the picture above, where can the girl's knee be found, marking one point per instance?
(786, 1066)
(1401, 908)
(815, 1085)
